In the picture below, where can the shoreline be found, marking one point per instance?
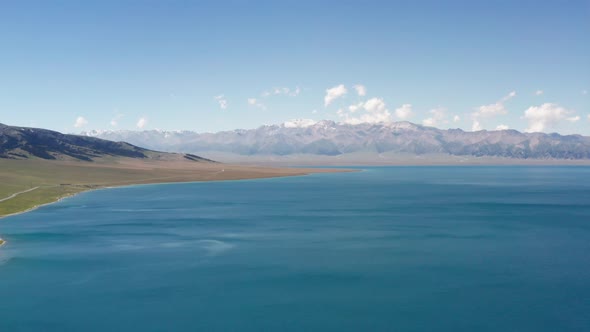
(59, 199)
(311, 169)
(417, 163)
(113, 186)
(4, 242)
(306, 170)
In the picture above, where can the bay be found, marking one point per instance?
(501, 248)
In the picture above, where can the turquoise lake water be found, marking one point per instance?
(385, 249)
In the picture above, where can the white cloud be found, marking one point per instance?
(314, 111)
(494, 109)
(438, 116)
(375, 105)
(538, 92)
(375, 111)
(361, 90)
(222, 101)
(430, 122)
(334, 93)
(115, 120)
(491, 110)
(476, 126)
(502, 127)
(574, 118)
(142, 122)
(255, 102)
(544, 116)
(404, 112)
(80, 122)
(355, 107)
(299, 123)
(282, 91)
(456, 118)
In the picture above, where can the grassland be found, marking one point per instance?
(59, 179)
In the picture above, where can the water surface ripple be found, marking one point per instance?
(386, 249)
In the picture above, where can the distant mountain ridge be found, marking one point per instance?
(25, 143)
(328, 138)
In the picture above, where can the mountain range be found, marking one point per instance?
(328, 138)
(27, 143)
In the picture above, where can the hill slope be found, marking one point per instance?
(39, 166)
(25, 143)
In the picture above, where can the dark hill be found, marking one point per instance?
(24, 143)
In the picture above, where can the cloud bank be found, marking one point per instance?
(373, 110)
(545, 116)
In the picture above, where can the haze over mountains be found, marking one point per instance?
(328, 138)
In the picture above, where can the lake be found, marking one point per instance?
(386, 249)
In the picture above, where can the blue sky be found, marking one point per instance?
(220, 65)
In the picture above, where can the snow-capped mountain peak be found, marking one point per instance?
(299, 123)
